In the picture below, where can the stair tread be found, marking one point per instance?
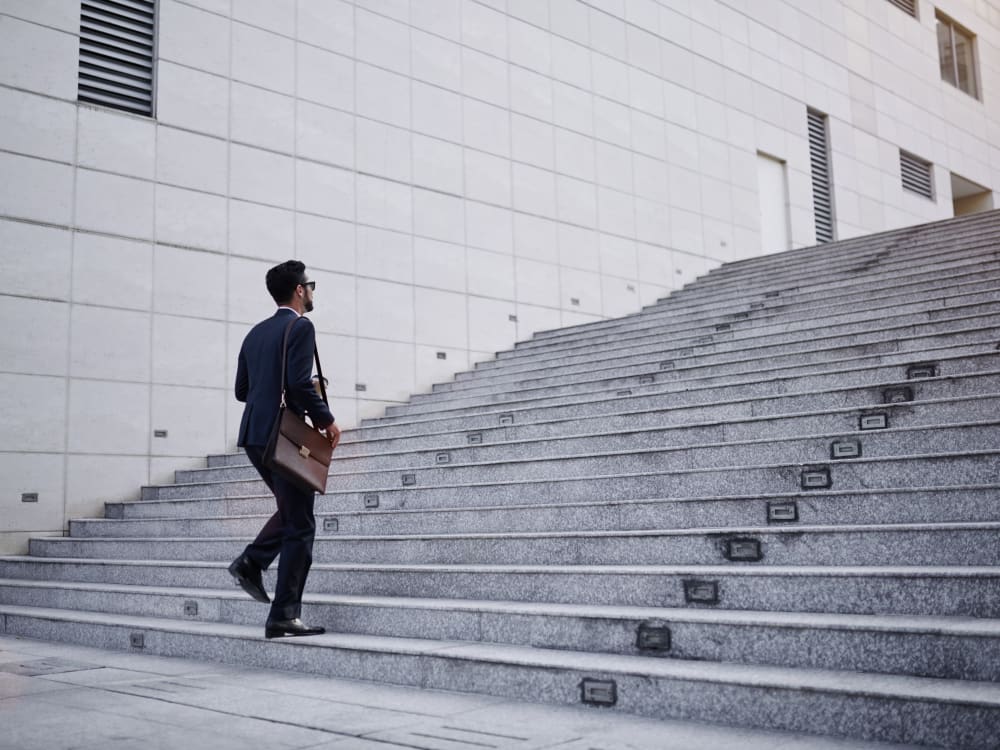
(845, 571)
(852, 683)
(693, 499)
(879, 435)
(952, 625)
(636, 430)
(493, 409)
(789, 530)
(825, 460)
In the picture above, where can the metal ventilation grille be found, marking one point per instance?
(907, 6)
(822, 182)
(916, 175)
(117, 41)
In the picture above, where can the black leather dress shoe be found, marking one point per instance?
(248, 577)
(287, 628)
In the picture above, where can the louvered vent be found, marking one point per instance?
(117, 42)
(916, 175)
(822, 175)
(907, 6)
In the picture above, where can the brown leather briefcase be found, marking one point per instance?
(295, 449)
(298, 451)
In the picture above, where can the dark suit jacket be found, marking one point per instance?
(258, 377)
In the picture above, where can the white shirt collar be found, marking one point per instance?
(285, 307)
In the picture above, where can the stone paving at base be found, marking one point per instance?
(64, 697)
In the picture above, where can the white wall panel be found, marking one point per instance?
(36, 58)
(102, 263)
(37, 125)
(187, 282)
(262, 118)
(192, 99)
(36, 190)
(189, 217)
(193, 37)
(29, 247)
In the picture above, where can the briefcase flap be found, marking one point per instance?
(310, 443)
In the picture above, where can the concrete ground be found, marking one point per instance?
(61, 697)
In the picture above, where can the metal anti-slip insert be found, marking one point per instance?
(598, 692)
(331, 524)
(506, 420)
(668, 365)
(782, 512)
(652, 637)
(701, 592)
(743, 549)
(474, 438)
(646, 379)
(816, 479)
(877, 421)
(899, 395)
(442, 458)
(137, 640)
(409, 480)
(625, 392)
(370, 499)
(840, 449)
(191, 609)
(922, 370)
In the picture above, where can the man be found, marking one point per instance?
(291, 530)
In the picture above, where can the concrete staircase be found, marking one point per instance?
(771, 499)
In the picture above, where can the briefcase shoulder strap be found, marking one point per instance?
(284, 363)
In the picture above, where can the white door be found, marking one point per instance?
(775, 220)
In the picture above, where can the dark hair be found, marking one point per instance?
(283, 278)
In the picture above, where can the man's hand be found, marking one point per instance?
(333, 435)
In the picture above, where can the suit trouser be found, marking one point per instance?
(290, 532)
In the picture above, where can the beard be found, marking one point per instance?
(309, 305)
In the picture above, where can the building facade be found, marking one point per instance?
(457, 174)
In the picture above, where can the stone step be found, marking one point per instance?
(963, 591)
(430, 451)
(692, 306)
(701, 307)
(658, 406)
(929, 711)
(245, 516)
(496, 440)
(741, 334)
(792, 281)
(916, 471)
(791, 275)
(876, 544)
(700, 385)
(743, 345)
(734, 336)
(922, 646)
(633, 452)
(697, 298)
(867, 255)
(638, 368)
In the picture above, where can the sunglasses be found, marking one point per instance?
(310, 284)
